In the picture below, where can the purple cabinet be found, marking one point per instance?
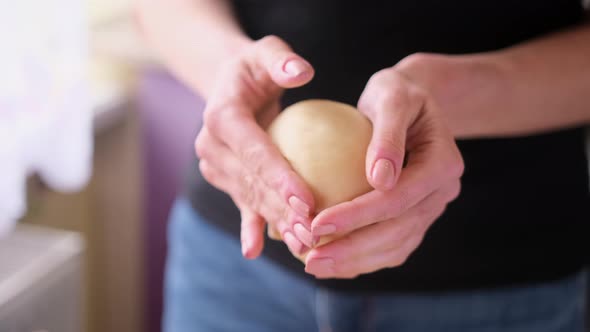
(170, 116)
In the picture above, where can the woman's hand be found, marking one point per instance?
(382, 228)
(236, 154)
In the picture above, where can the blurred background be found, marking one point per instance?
(95, 140)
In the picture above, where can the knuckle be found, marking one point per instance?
(201, 145)
(211, 119)
(272, 40)
(414, 61)
(397, 258)
(460, 166)
(381, 76)
(396, 91)
(389, 144)
(215, 118)
(207, 172)
(402, 259)
(450, 163)
(455, 191)
(395, 97)
(455, 167)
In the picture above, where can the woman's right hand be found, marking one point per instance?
(238, 157)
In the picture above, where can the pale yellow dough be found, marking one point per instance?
(326, 143)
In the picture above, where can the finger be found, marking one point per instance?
(283, 221)
(215, 176)
(350, 269)
(261, 157)
(252, 225)
(391, 104)
(212, 149)
(285, 68)
(357, 246)
(414, 185)
(279, 218)
(298, 230)
(252, 233)
(389, 234)
(431, 164)
(253, 192)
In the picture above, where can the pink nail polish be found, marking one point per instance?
(294, 245)
(314, 241)
(295, 67)
(303, 234)
(383, 173)
(322, 230)
(245, 248)
(299, 206)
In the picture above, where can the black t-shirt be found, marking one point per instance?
(524, 211)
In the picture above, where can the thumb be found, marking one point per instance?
(385, 154)
(391, 109)
(285, 68)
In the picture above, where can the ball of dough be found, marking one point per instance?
(326, 143)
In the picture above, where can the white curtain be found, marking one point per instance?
(45, 118)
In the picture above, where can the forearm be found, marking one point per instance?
(551, 81)
(534, 87)
(192, 37)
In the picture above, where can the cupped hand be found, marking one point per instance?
(238, 157)
(415, 167)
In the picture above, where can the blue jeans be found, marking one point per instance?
(210, 287)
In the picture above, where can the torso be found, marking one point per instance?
(524, 211)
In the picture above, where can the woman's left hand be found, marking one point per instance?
(383, 227)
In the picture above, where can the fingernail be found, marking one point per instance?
(244, 248)
(295, 67)
(383, 173)
(299, 206)
(314, 241)
(295, 245)
(320, 266)
(324, 230)
(303, 234)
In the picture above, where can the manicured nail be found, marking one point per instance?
(299, 206)
(244, 248)
(303, 234)
(295, 245)
(314, 241)
(324, 230)
(383, 173)
(295, 67)
(320, 266)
